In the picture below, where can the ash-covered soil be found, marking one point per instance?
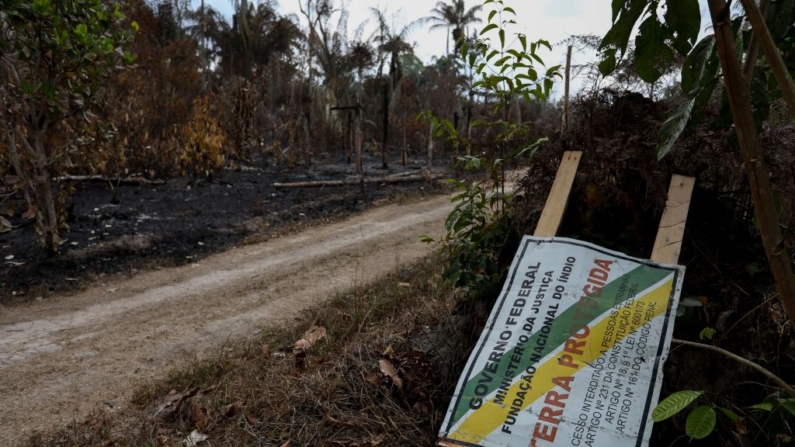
(179, 222)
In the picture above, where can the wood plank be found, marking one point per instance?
(558, 198)
(668, 245)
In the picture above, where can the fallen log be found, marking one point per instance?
(118, 181)
(358, 181)
(403, 174)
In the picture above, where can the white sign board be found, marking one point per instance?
(572, 353)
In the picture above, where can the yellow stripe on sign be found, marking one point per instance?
(491, 416)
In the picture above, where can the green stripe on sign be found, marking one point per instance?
(643, 277)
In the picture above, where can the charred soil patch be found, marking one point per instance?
(120, 229)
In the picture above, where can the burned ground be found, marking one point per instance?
(120, 229)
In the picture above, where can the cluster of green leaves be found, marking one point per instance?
(505, 71)
(64, 50)
(656, 40)
(476, 232)
(55, 56)
(509, 71)
(675, 30)
(481, 224)
(655, 45)
(701, 421)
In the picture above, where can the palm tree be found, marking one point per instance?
(455, 17)
(239, 48)
(391, 43)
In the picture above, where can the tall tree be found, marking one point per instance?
(392, 43)
(240, 48)
(455, 18)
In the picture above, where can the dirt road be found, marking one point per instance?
(64, 356)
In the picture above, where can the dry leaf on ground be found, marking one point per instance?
(30, 213)
(312, 336)
(5, 225)
(390, 371)
(373, 379)
(253, 420)
(338, 423)
(232, 409)
(201, 416)
(94, 424)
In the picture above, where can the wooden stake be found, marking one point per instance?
(566, 94)
(404, 153)
(357, 125)
(558, 198)
(385, 141)
(349, 139)
(430, 149)
(751, 150)
(668, 244)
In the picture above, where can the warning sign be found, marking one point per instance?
(573, 351)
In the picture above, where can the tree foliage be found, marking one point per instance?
(668, 30)
(455, 17)
(480, 227)
(167, 88)
(56, 57)
(746, 93)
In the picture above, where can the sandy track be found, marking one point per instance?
(64, 356)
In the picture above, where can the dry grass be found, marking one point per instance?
(261, 393)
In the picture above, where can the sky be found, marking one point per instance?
(552, 20)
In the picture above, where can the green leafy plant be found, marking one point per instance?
(480, 225)
(55, 57)
(702, 420)
(746, 92)
(476, 232)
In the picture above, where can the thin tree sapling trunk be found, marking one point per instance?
(773, 56)
(752, 56)
(750, 148)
